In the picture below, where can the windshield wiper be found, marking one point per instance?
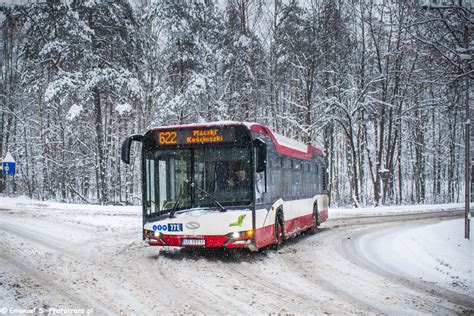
(183, 191)
(222, 209)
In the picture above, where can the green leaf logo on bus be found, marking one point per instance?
(239, 221)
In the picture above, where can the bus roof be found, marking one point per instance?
(284, 145)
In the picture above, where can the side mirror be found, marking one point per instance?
(261, 155)
(126, 147)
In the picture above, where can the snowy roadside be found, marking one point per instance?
(436, 253)
(392, 210)
(23, 202)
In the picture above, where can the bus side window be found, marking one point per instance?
(260, 185)
(260, 168)
(313, 176)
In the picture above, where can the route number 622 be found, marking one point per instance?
(168, 138)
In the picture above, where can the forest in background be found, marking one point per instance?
(379, 85)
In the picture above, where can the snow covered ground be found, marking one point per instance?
(436, 253)
(56, 255)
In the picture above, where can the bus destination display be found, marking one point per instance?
(196, 136)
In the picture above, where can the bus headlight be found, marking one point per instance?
(246, 234)
(149, 233)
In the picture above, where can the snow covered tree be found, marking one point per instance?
(380, 85)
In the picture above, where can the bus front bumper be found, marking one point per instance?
(242, 239)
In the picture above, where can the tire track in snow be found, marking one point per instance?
(155, 275)
(292, 302)
(294, 291)
(58, 289)
(156, 279)
(115, 289)
(264, 291)
(340, 298)
(200, 279)
(345, 284)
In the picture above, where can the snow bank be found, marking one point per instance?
(86, 215)
(23, 202)
(392, 210)
(436, 253)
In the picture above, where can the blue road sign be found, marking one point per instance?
(9, 168)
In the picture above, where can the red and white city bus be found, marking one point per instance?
(228, 185)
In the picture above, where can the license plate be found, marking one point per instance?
(193, 242)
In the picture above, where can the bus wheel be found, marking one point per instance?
(314, 229)
(279, 231)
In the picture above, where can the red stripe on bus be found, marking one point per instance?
(211, 241)
(283, 150)
(192, 126)
(266, 235)
(298, 224)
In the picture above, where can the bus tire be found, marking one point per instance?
(279, 230)
(314, 229)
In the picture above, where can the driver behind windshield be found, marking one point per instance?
(239, 179)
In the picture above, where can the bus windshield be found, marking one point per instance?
(194, 174)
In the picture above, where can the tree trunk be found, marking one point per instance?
(101, 159)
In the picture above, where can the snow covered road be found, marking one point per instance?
(91, 259)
